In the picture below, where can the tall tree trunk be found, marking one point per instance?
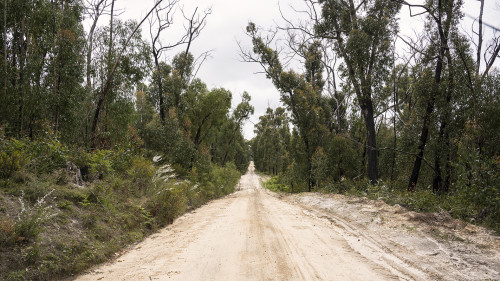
(371, 142)
(109, 80)
(443, 144)
(310, 181)
(107, 84)
(480, 38)
(5, 49)
(55, 112)
(394, 144)
(160, 86)
(110, 47)
(443, 40)
(90, 46)
(20, 74)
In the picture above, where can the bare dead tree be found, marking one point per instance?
(475, 78)
(195, 24)
(162, 20)
(198, 62)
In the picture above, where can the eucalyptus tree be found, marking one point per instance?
(301, 93)
(206, 114)
(37, 71)
(271, 144)
(442, 16)
(107, 83)
(240, 114)
(131, 69)
(94, 9)
(362, 34)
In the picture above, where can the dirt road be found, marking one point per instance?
(254, 234)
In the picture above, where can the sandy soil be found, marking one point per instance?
(255, 234)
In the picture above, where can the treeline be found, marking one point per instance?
(361, 115)
(110, 87)
(82, 116)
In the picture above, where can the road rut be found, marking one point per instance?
(253, 235)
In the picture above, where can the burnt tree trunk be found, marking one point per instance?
(443, 36)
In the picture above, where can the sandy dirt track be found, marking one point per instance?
(253, 234)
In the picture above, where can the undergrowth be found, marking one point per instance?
(51, 227)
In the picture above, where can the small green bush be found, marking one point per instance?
(273, 184)
(101, 163)
(12, 157)
(141, 173)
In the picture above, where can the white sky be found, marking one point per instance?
(226, 26)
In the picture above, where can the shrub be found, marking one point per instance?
(47, 155)
(168, 204)
(141, 173)
(273, 184)
(12, 157)
(101, 163)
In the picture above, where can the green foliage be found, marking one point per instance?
(274, 185)
(88, 224)
(12, 157)
(141, 172)
(51, 115)
(101, 163)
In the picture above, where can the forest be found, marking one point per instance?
(107, 135)
(102, 139)
(417, 126)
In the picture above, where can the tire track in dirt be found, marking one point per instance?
(253, 235)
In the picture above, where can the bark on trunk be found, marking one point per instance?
(160, 87)
(55, 110)
(443, 37)
(371, 142)
(438, 186)
(5, 49)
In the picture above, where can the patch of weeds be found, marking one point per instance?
(29, 221)
(31, 254)
(65, 205)
(146, 215)
(7, 231)
(436, 233)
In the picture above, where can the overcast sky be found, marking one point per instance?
(226, 27)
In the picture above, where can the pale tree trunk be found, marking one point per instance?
(97, 12)
(480, 38)
(110, 54)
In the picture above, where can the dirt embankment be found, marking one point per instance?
(255, 234)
